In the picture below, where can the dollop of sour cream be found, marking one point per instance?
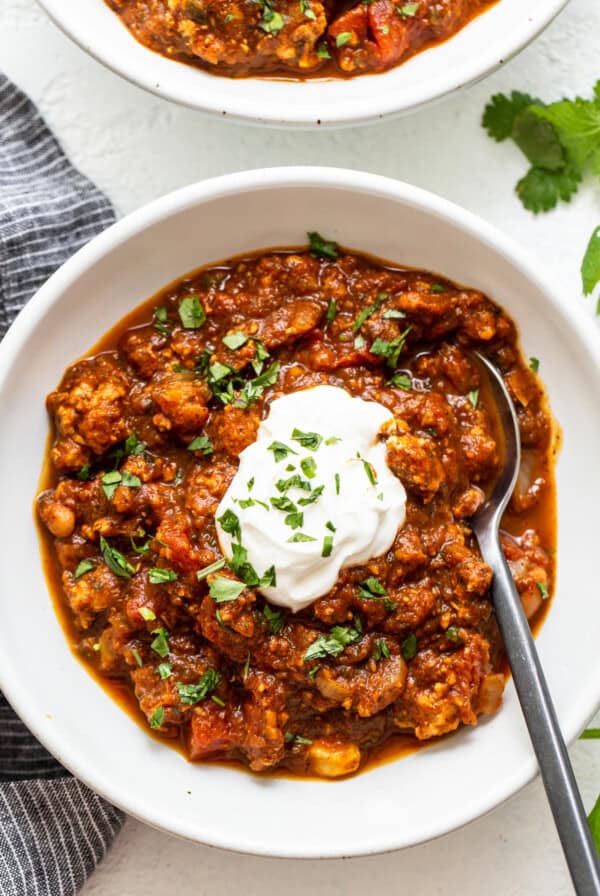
(312, 494)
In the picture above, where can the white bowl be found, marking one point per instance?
(484, 44)
(394, 805)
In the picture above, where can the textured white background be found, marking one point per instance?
(137, 147)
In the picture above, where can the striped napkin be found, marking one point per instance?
(53, 830)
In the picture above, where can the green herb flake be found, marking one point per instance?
(327, 546)
(136, 655)
(235, 340)
(381, 650)
(409, 647)
(343, 38)
(202, 444)
(590, 734)
(294, 520)
(543, 590)
(401, 381)
(190, 694)
(320, 247)
(339, 638)
(223, 590)
(309, 440)
(84, 473)
(280, 451)
(191, 313)
(331, 311)
(337, 483)
(359, 342)
(272, 21)
(306, 9)
(82, 567)
(309, 467)
(329, 525)
(408, 10)
(274, 619)
(143, 549)
(158, 576)
(534, 364)
(158, 717)
(230, 523)
(115, 560)
(213, 567)
(453, 634)
(147, 614)
(246, 671)
(437, 288)
(368, 310)
(590, 266)
(300, 537)
(323, 51)
(393, 314)
(473, 397)
(164, 670)
(160, 644)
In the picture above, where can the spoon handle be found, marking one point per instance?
(540, 716)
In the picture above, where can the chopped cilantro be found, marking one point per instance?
(308, 440)
(590, 266)
(274, 619)
(235, 340)
(202, 444)
(157, 718)
(191, 313)
(331, 311)
(339, 638)
(300, 536)
(164, 670)
(158, 576)
(191, 694)
(409, 646)
(160, 644)
(309, 467)
(223, 590)
(213, 567)
(147, 614)
(82, 567)
(473, 397)
(543, 590)
(115, 560)
(327, 546)
(343, 38)
(534, 364)
(322, 248)
(280, 451)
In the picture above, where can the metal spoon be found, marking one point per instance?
(530, 682)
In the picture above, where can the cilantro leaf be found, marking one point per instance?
(322, 248)
(538, 140)
(500, 113)
(339, 638)
(540, 190)
(578, 125)
(224, 590)
(194, 693)
(191, 313)
(590, 266)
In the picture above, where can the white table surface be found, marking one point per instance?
(136, 147)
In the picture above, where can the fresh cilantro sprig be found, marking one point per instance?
(561, 141)
(590, 266)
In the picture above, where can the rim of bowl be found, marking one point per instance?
(282, 113)
(16, 690)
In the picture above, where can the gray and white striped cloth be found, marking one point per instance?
(53, 830)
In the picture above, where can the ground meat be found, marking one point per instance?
(148, 435)
(242, 37)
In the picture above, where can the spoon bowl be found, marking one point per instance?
(528, 675)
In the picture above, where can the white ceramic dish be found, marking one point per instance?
(486, 43)
(395, 805)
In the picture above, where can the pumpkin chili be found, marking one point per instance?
(243, 38)
(146, 436)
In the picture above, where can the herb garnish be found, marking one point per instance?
(308, 440)
(235, 340)
(111, 481)
(381, 650)
(147, 614)
(401, 381)
(543, 590)
(161, 321)
(274, 619)
(322, 248)
(164, 670)
(300, 537)
(290, 738)
(308, 466)
(390, 350)
(115, 560)
(280, 451)
(158, 576)
(339, 638)
(213, 567)
(202, 444)
(372, 589)
(474, 397)
(160, 645)
(191, 313)
(230, 523)
(343, 38)
(136, 655)
(560, 140)
(409, 646)
(82, 567)
(331, 311)
(191, 694)
(157, 718)
(223, 590)
(327, 546)
(590, 266)
(408, 10)
(534, 364)
(368, 311)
